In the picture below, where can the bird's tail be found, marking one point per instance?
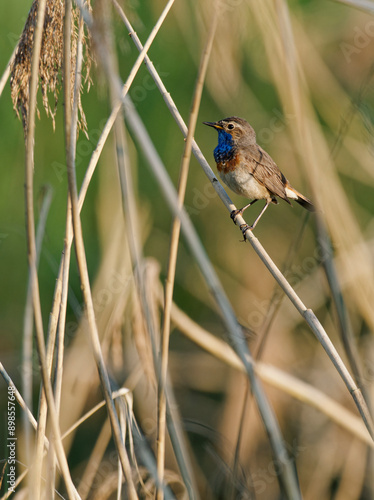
(300, 198)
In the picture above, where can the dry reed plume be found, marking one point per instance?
(50, 63)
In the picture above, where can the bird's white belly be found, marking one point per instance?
(244, 184)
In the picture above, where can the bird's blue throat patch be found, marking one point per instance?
(225, 149)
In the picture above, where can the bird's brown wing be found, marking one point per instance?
(266, 171)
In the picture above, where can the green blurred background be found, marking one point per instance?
(330, 24)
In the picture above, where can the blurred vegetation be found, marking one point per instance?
(336, 46)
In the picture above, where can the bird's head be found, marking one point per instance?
(234, 130)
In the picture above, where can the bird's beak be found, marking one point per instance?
(214, 125)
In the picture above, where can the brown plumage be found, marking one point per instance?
(249, 170)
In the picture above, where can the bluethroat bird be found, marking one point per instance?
(249, 170)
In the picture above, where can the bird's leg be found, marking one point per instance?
(234, 213)
(244, 227)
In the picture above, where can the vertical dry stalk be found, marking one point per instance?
(173, 252)
(81, 256)
(129, 207)
(332, 87)
(30, 227)
(344, 322)
(78, 57)
(27, 344)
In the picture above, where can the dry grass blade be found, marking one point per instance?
(94, 460)
(64, 268)
(117, 394)
(19, 480)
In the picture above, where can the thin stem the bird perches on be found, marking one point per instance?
(308, 315)
(317, 329)
(173, 252)
(30, 226)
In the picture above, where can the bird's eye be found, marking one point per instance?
(230, 126)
